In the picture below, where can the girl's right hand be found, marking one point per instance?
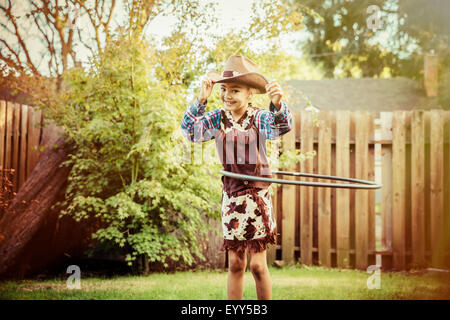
(207, 86)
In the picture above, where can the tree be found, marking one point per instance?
(429, 26)
(121, 114)
(65, 30)
(57, 101)
(342, 33)
(55, 24)
(381, 38)
(123, 172)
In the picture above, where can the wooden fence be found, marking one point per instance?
(20, 134)
(336, 227)
(329, 226)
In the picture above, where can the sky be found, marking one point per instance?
(231, 14)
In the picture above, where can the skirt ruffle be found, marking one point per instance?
(254, 245)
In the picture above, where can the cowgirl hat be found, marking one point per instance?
(241, 70)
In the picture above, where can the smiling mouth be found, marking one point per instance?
(229, 103)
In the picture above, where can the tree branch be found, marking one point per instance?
(11, 50)
(10, 16)
(11, 63)
(93, 22)
(85, 44)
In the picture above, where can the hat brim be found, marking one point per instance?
(252, 79)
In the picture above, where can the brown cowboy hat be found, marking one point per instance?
(241, 70)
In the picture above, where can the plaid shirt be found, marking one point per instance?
(199, 127)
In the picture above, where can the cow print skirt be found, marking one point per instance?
(247, 220)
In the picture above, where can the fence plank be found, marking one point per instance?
(15, 146)
(437, 188)
(371, 177)
(288, 205)
(23, 146)
(306, 193)
(398, 188)
(447, 188)
(361, 196)
(2, 139)
(418, 188)
(352, 191)
(8, 148)
(279, 195)
(315, 199)
(272, 249)
(210, 246)
(34, 132)
(408, 116)
(324, 194)
(333, 190)
(343, 195)
(298, 203)
(386, 170)
(427, 193)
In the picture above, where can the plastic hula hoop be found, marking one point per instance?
(362, 184)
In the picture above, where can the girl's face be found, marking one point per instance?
(234, 96)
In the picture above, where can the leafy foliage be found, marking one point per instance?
(350, 39)
(342, 39)
(132, 168)
(123, 123)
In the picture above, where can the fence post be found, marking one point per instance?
(418, 188)
(398, 189)
(306, 193)
(437, 188)
(324, 194)
(361, 195)
(343, 195)
(288, 205)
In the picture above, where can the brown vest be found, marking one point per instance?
(242, 152)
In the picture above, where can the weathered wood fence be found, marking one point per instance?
(329, 226)
(337, 227)
(21, 138)
(20, 134)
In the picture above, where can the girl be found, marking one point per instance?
(240, 130)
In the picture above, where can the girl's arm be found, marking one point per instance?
(198, 126)
(274, 123)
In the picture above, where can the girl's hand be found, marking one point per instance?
(274, 90)
(207, 86)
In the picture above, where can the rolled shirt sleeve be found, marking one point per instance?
(274, 123)
(197, 126)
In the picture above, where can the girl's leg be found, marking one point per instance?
(260, 271)
(236, 269)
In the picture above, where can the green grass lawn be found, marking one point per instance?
(291, 283)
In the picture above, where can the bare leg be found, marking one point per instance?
(236, 269)
(260, 271)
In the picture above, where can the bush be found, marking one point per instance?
(127, 169)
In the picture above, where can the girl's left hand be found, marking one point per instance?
(273, 88)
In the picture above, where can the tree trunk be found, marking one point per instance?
(28, 210)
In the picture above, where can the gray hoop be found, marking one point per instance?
(369, 184)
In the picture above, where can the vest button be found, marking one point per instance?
(245, 182)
